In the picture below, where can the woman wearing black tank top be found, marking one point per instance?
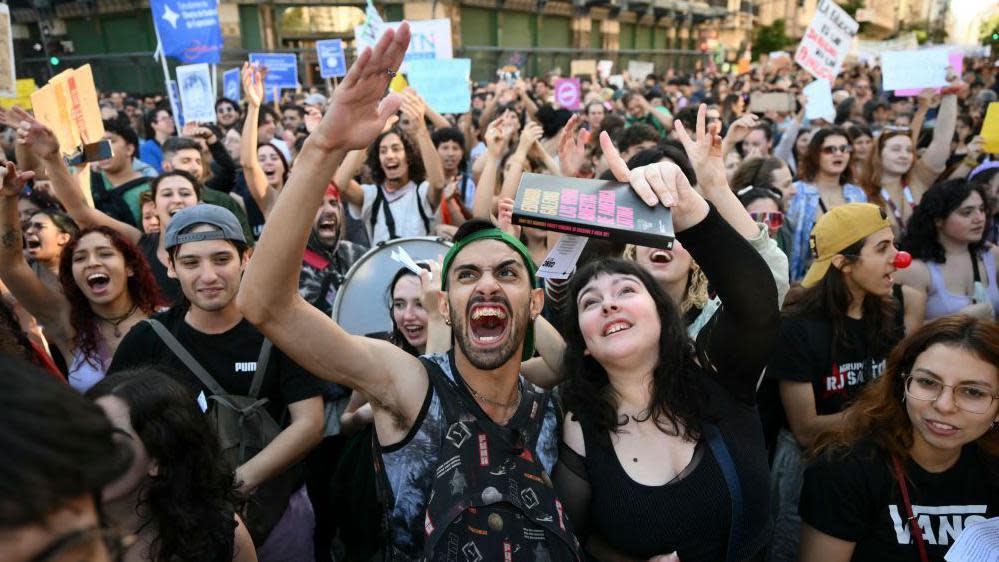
(663, 450)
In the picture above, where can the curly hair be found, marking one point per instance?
(921, 237)
(870, 174)
(191, 500)
(696, 295)
(678, 404)
(808, 168)
(878, 414)
(141, 286)
(413, 162)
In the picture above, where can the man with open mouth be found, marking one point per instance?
(465, 444)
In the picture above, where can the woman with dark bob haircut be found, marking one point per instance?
(178, 496)
(663, 448)
(923, 434)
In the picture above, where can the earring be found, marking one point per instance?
(447, 321)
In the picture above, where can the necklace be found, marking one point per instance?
(116, 321)
(487, 400)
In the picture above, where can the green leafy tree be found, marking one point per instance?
(773, 37)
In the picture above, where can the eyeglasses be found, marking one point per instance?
(971, 398)
(773, 219)
(844, 148)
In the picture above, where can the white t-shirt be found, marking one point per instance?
(402, 203)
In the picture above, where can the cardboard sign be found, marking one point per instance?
(332, 61)
(827, 41)
(761, 102)
(592, 208)
(196, 97)
(188, 30)
(568, 93)
(990, 128)
(915, 70)
(583, 68)
(820, 102)
(68, 106)
(231, 86)
(640, 69)
(8, 74)
(444, 84)
(429, 39)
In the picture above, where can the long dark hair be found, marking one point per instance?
(808, 168)
(879, 415)
(830, 299)
(398, 337)
(413, 162)
(921, 237)
(191, 499)
(141, 286)
(677, 406)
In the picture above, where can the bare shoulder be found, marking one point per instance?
(916, 276)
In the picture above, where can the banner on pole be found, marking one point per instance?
(231, 85)
(196, 98)
(827, 41)
(188, 30)
(332, 61)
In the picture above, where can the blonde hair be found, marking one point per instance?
(696, 294)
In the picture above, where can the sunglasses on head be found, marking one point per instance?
(843, 148)
(773, 219)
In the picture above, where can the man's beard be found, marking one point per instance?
(321, 238)
(493, 358)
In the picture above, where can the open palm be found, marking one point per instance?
(358, 111)
(39, 139)
(253, 84)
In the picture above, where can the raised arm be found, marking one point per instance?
(936, 154)
(42, 142)
(415, 125)
(256, 180)
(785, 148)
(485, 190)
(515, 163)
(48, 306)
(269, 295)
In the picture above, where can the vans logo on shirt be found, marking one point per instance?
(246, 367)
(941, 525)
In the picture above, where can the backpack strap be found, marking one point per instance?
(185, 356)
(262, 360)
(382, 202)
(720, 451)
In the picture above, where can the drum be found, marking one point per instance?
(362, 302)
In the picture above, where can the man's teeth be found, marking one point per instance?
(488, 311)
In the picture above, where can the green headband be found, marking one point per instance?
(497, 234)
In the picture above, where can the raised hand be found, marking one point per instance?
(496, 137)
(705, 150)
(506, 217)
(13, 181)
(929, 98)
(572, 148)
(196, 130)
(414, 109)
(253, 84)
(32, 133)
(312, 118)
(663, 182)
(430, 286)
(357, 110)
(740, 128)
(531, 133)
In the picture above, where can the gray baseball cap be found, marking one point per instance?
(227, 224)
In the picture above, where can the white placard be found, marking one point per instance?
(429, 39)
(820, 102)
(561, 261)
(197, 100)
(910, 70)
(640, 69)
(827, 41)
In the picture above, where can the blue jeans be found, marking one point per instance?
(786, 478)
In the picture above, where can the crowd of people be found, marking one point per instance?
(811, 372)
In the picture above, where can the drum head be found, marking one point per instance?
(362, 304)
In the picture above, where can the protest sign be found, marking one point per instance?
(868, 50)
(568, 93)
(443, 84)
(820, 102)
(22, 94)
(188, 30)
(761, 102)
(332, 62)
(68, 106)
(429, 39)
(608, 210)
(230, 84)
(827, 41)
(604, 68)
(196, 97)
(282, 69)
(173, 94)
(8, 75)
(990, 128)
(909, 72)
(640, 69)
(583, 68)
(398, 83)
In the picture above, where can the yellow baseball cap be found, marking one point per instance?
(836, 231)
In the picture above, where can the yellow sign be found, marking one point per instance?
(398, 83)
(68, 106)
(22, 97)
(990, 128)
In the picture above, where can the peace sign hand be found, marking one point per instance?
(663, 182)
(705, 152)
(13, 181)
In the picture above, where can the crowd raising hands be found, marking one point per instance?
(810, 372)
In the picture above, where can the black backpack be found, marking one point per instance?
(244, 428)
(111, 202)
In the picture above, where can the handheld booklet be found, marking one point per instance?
(607, 210)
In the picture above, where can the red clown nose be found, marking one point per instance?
(902, 260)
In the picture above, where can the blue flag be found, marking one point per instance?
(188, 29)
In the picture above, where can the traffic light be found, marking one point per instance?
(54, 60)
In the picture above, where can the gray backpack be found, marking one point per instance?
(244, 428)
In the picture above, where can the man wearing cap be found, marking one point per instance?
(207, 254)
(465, 442)
(835, 338)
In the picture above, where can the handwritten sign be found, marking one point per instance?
(68, 106)
(568, 93)
(827, 41)
(915, 70)
(429, 40)
(444, 84)
(990, 128)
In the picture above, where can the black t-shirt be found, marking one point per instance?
(230, 357)
(857, 499)
(169, 287)
(805, 353)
